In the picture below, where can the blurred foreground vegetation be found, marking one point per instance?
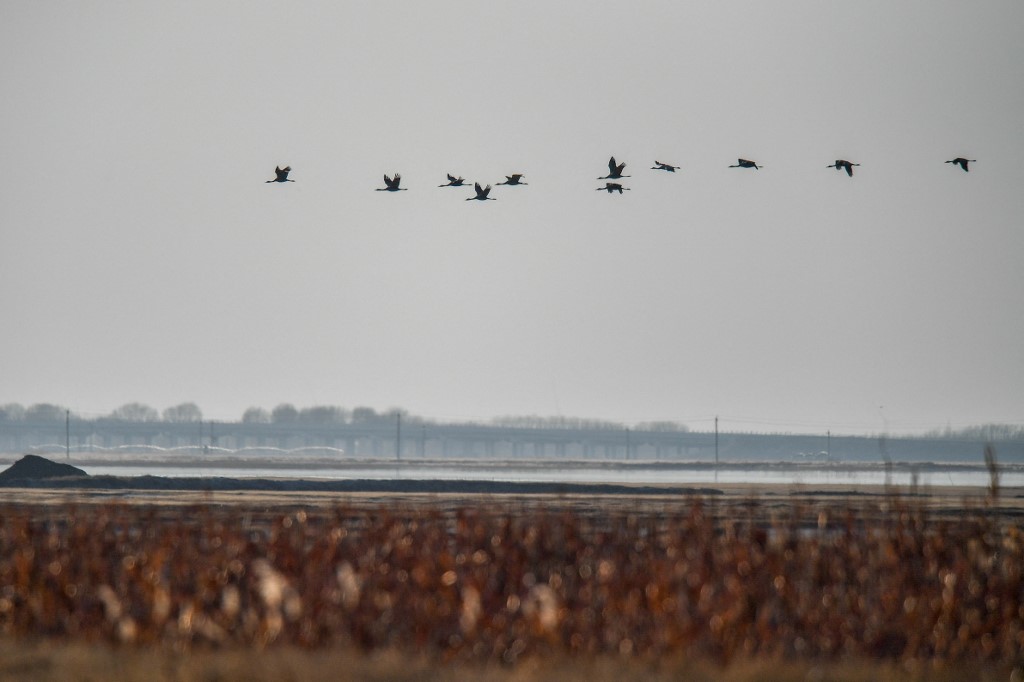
(511, 588)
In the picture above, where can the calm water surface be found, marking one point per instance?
(576, 474)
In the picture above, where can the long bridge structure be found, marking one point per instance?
(397, 439)
(379, 439)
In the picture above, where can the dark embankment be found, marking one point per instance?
(35, 468)
(38, 472)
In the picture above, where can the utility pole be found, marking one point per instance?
(398, 436)
(716, 442)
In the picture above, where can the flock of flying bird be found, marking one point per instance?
(391, 183)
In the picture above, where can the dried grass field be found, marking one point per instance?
(753, 584)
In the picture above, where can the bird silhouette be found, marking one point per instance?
(743, 163)
(658, 165)
(392, 184)
(454, 181)
(962, 162)
(481, 193)
(282, 174)
(844, 165)
(612, 187)
(514, 179)
(614, 170)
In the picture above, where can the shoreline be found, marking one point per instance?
(484, 464)
(268, 493)
(34, 479)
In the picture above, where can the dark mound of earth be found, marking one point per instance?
(33, 467)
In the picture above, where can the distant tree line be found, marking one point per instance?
(129, 412)
(580, 424)
(981, 432)
(286, 413)
(324, 415)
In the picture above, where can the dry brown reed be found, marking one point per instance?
(993, 470)
(477, 586)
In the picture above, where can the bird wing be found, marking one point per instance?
(451, 178)
(484, 192)
(611, 165)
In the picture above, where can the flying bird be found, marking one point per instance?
(481, 193)
(282, 174)
(514, 179)
(454, 181)
(844, 165)
(612, 187)
(962, 162)
(658, 165)
(743, 163)
(392, 184)
(614, 170)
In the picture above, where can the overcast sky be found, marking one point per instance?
(143, 257)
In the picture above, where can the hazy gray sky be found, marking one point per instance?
(143, 258)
